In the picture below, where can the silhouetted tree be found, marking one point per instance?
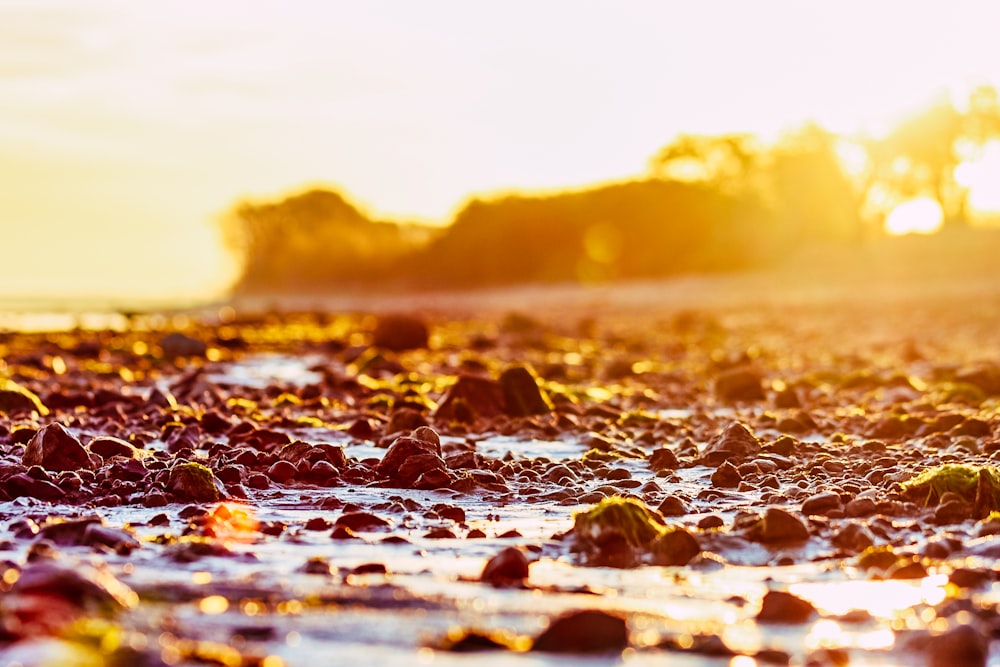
(920, 155)
(812, 196)
(312, 240)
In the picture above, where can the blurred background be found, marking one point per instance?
(205, 153)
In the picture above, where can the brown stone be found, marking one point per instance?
(782, 607)
(471, 397)
(736, 442)
(507, 568)
(53, 447)
(740, 384)
(589, 631)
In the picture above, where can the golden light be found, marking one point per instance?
(922, 215)
(213, 604)
(233, 522)
(879, 598)
(982, 177)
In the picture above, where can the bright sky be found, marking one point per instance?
(127, 127)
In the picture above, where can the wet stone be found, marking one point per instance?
(663, 459)
(853, 538)
(735, 442)
(399, 332)
(16, 399)
(523, 396)
(507, 568)
(53, 447)
(194, 482)
(740, 384)
(589, 631)
(778, 525)
(821, 503)
(783, 607)
(726, 476)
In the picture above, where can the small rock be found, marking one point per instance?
(740, 384)
(663, 459)
(821, 503)
(960, 646)
(23, 485)
(361, 521)
(471, 397)
(672, 506)
(106, 446)
(782, 607)
(735, 442)
(777, 525)
(674, 548)
(522, 395)
(16, 399)
(507, 568)
(404, 419)
(589, 631)
(176, 344)
(860, 507)
(193, 482)
(399, 332)
(53, 447)
(853, 538)
(726, 476)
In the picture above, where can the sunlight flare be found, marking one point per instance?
(916, 216)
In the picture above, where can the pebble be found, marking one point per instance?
(588, 631)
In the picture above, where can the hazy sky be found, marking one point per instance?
(127, 127)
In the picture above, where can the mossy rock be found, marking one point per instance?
(617, 532)
(193, 482)
(16, 399)
(878, 558)
(979, 485)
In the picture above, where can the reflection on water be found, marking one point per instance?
(267, 369)
(879, 598)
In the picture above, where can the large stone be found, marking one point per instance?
(778, 526)
(617, 532)
(398, 332)
(176, 344)
(522, 395)
(24, 485)
(740, 384)
(675, 547)
(959, 646)
(507, 568)
(471, 397)
(17, 399)
(782, 607)
(736, 442)
(415, 461)
(107, 446)
(86, 587)
(193, 482)
(53, 447)
(589, 631)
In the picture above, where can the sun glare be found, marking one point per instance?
(916, 216)
(982, 177)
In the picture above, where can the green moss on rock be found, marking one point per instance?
(193, 482)
(979, 485)
(637, 524)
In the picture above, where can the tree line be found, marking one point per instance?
(706, 203)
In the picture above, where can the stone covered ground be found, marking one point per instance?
(743, 482)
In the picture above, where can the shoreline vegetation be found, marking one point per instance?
(705, 205)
